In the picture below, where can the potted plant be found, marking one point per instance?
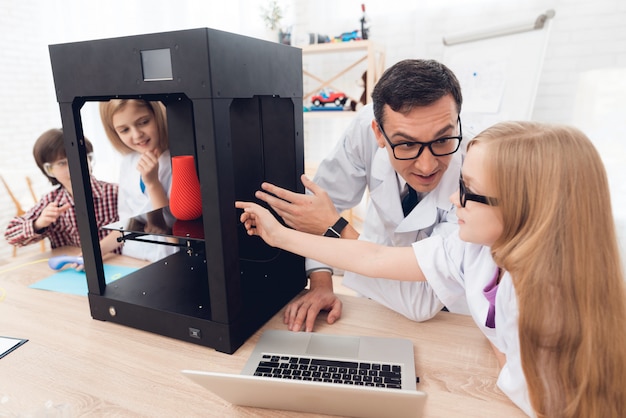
(272, 14)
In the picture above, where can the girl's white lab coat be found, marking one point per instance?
(458, 272)
(133, 201)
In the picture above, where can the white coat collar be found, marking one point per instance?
(425, 213)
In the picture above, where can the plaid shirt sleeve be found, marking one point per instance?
(21, 229)
(64, 231)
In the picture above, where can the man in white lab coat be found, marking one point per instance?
(410, 137)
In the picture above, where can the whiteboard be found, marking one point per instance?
(499, 76)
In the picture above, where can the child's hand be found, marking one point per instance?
(148, 166)
(259, 221)
(50, 214)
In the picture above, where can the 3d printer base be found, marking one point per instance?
(150, 300)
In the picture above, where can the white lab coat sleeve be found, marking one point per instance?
(313, 265)
(415, 300)
(449, 224)
(441, 261)
(511, 379)
(344, 172)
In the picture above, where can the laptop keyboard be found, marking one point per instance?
(330, 371)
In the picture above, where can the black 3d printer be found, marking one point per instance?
(233, 102)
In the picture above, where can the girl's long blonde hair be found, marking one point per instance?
(559, 244)
(111, 107)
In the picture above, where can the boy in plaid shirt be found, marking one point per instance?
(54, 216)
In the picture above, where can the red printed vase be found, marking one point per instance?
(185, 196)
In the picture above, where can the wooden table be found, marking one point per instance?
(74, 365)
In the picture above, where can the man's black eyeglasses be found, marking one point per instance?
(464, 196)
(412, 150)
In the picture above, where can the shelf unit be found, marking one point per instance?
(320, 137)
(373, 60)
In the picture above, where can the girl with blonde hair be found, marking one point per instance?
(138, 130)
(536, 259)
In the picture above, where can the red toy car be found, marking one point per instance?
(326, 97)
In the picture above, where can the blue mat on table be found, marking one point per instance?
(75, 282)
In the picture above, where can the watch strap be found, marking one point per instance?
(335, 230)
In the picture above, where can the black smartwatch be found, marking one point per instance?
(335, 230)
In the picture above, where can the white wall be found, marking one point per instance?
(586, 37)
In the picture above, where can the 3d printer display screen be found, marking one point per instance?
(156, 65)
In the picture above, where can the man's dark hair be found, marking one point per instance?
(412, 82)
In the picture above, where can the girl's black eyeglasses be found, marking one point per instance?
(464, 196)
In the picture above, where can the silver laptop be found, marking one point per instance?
(353, 376)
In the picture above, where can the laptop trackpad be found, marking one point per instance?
(333, 346)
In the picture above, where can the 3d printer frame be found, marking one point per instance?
(235, 103)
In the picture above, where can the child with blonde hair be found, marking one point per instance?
(138, 130)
